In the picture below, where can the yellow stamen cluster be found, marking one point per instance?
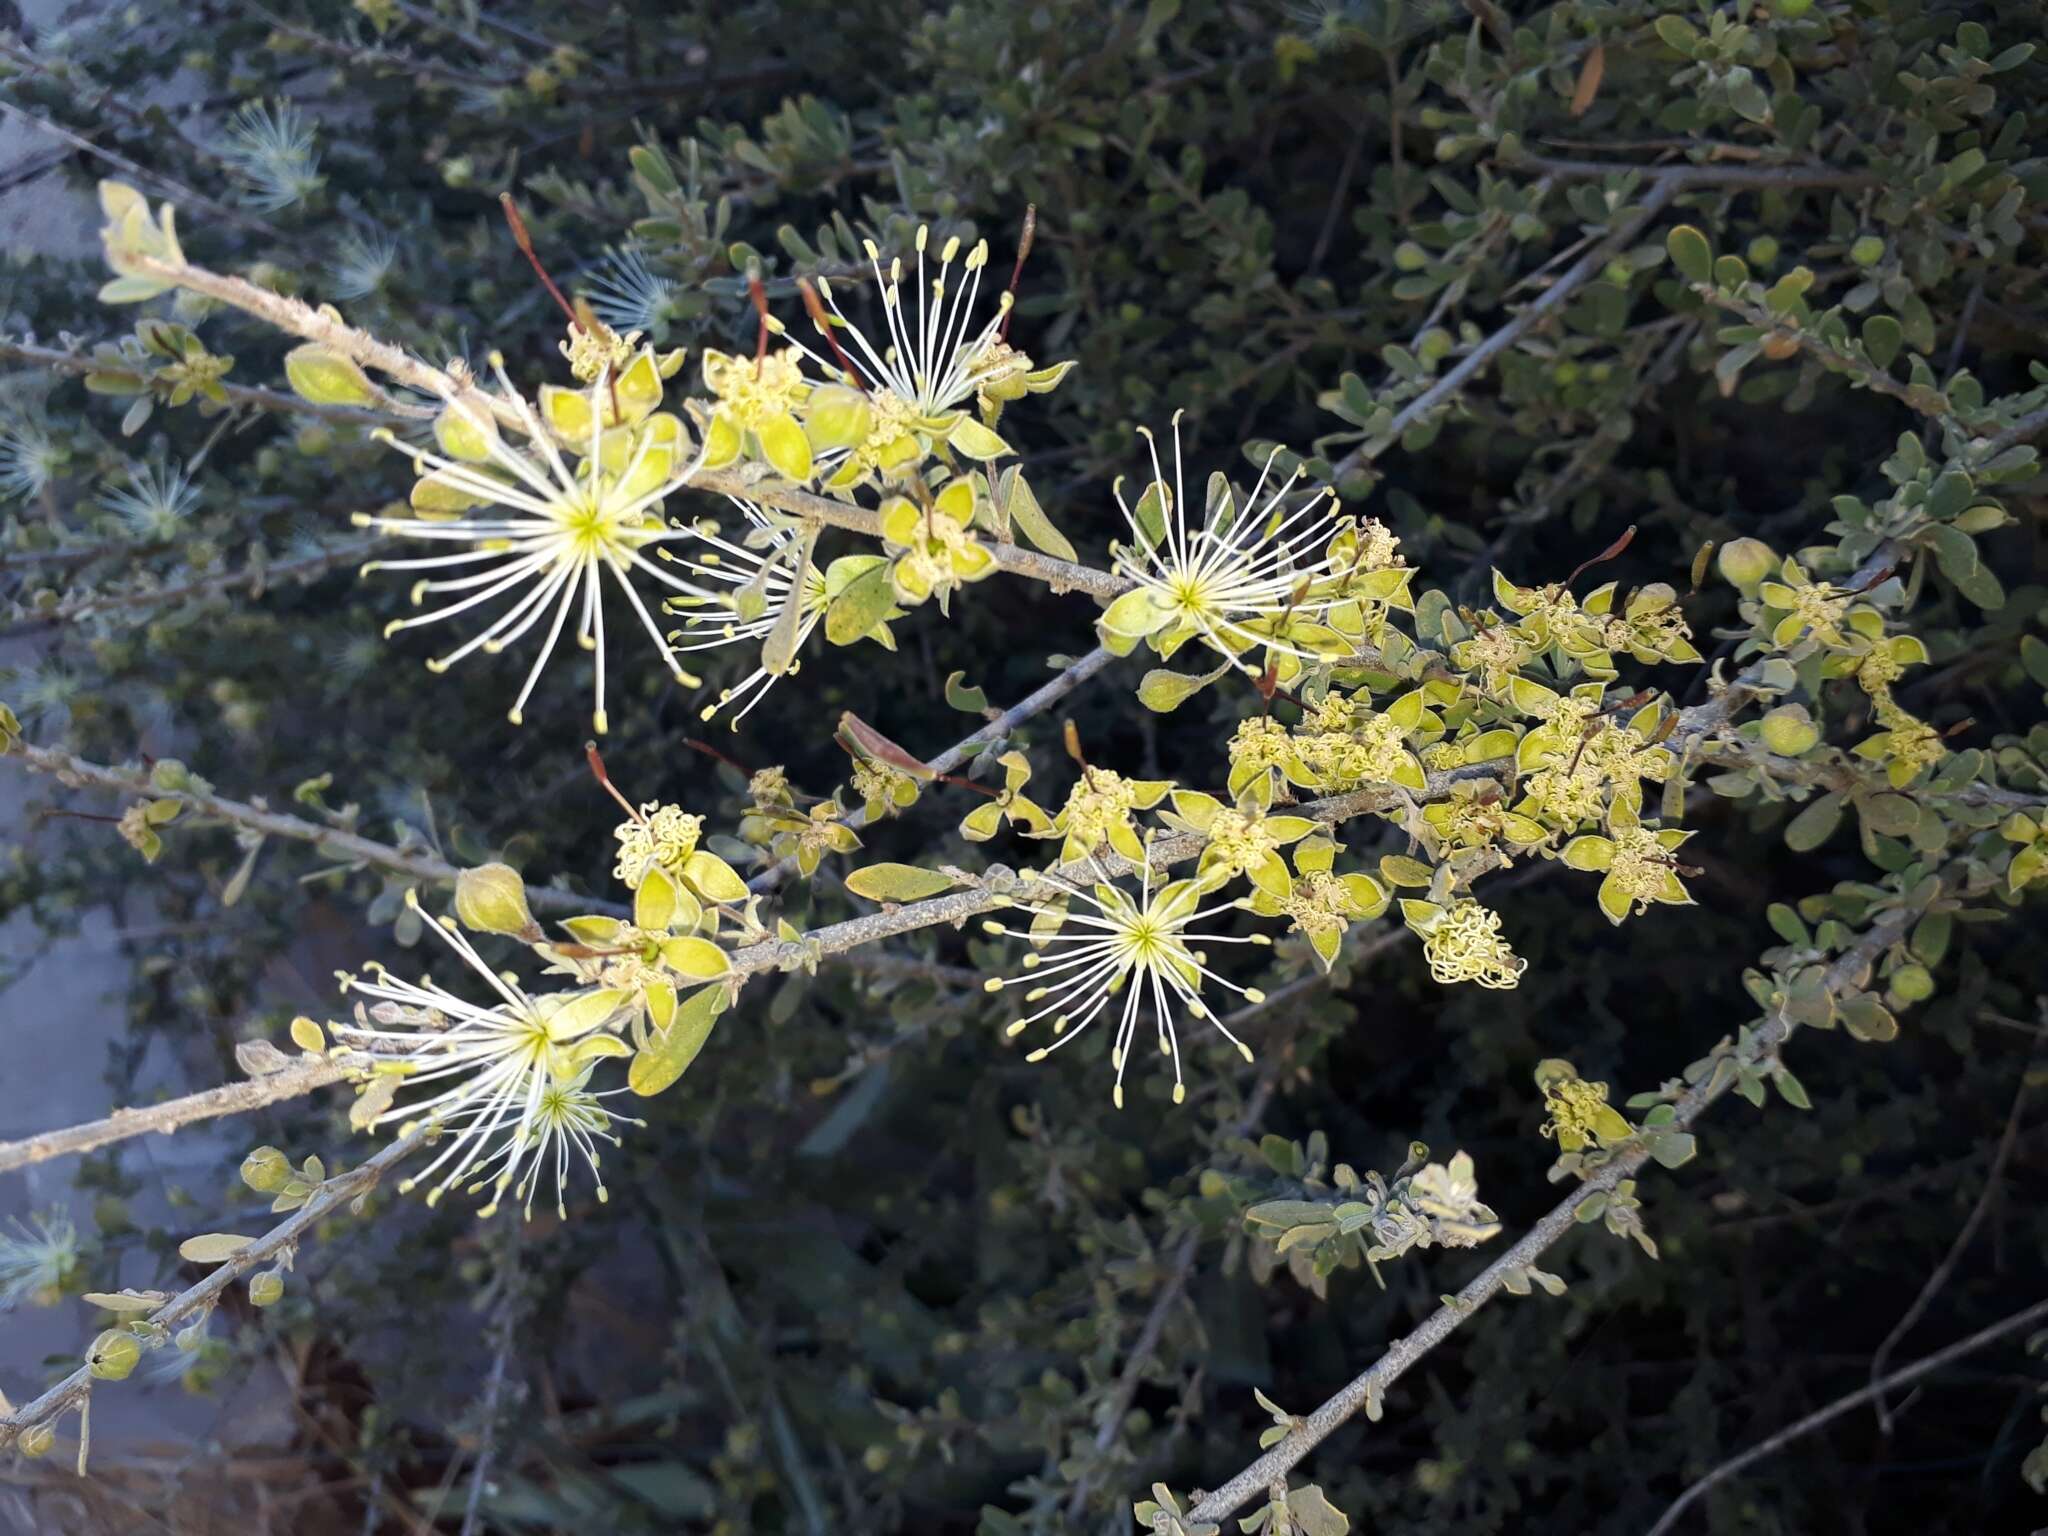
(751, 395)
(1878, 671)
(1373, 751)
(1237, 842)
(662, 835)
(1262, 742)
(596, 349)
(1820, 608)
(1098, 804)
(1578, 1110)
(1641, 867)
(1378, 546)
(1653, 631)
(1319, 903)
(1496, 653)
(1466, 945)
(878, 781)
(994, 373)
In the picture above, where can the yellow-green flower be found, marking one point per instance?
(755, 585)
(1462, 942)
(1011, 804)
(2030, 858)
(1580, 1115)
(1239, 840)
(1262, 759)
(1101, 809)
(1638, 864)
(756, 411)
(558, 529)
(1805, 607)
(1321, 905)
(1474, 815)
(934, 551)
(1142, 946)
(1235, 581)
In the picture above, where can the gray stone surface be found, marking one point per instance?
(60, 1027)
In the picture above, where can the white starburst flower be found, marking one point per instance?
(711, 617)
(29, 461)
(155, 502)
(362, 263)
(1144, 947)
(1231, 578)
(563, 1122)
(36, 1258)
(558, 530)
(628, 295)
(509, 1078)
(932, 361)
(270, 146)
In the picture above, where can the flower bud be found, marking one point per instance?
(838, 417)
(1789, 730)
(113, 1355)
(327, 377)
(1746, 562)
(265, 1170)
(492, 899)
(37, 1439)
(1912, 984)
(266, 1289)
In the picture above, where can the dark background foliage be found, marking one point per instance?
(865, 1270)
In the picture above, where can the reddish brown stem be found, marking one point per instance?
(824, 324)
(1030, 233)
(758, 293)
(524, 241)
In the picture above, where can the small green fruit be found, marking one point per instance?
(113, 1355)
(1867, 252)
(492, 899)
(1912, 983)
(266, 1289)
(265, 1170)
(1789, 731)
(1746, 562)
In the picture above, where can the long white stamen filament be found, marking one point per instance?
(567, 525)
(1109, 942)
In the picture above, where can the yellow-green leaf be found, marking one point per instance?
(898, 882)
(669, 1054)
(326, 377)
(212, 1247)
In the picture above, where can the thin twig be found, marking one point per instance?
(75, 771)
(1703, 175)
(122, 163)
(506, 1327)
(252, 575)
(1562, 1218)
(1040, 699)
(291, 1082)
(252, 395)
(73, 1390)
(1842, 1405)
(1666, 188)
(1947, 1266)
